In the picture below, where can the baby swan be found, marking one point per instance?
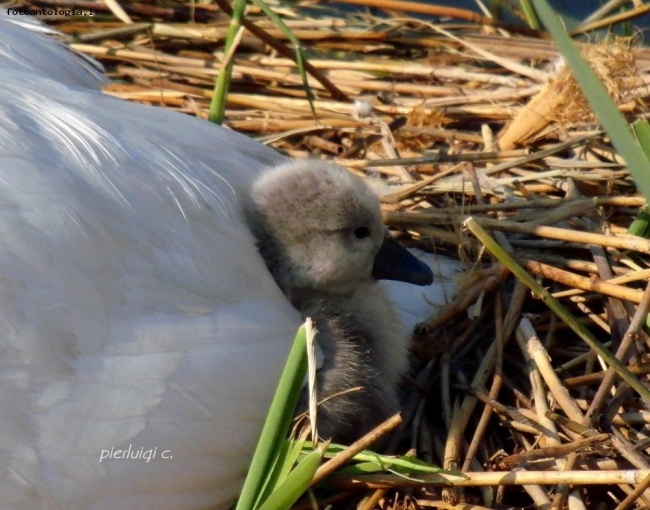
(320, 232)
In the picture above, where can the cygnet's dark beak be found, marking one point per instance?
(394, 262)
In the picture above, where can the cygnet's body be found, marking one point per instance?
(320, 231)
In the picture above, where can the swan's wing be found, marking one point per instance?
(135, 311)
(25, 44)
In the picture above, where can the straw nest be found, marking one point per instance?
(461, 120)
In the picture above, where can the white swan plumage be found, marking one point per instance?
(107, 320)
(25, 45)
(124, 253)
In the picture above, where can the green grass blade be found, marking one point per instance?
(368, 461)
(277, 422)
(642, 132)
(606, 110)
(288, 458)
(530, 15)
(295, 484)
(641, 225)
(219, 98)
(300, 57)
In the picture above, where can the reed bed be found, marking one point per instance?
(533, 381)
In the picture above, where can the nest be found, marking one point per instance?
(522, 402)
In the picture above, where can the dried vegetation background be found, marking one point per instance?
(462, 118)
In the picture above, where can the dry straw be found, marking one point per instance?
(561, 101)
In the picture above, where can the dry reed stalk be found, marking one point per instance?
(497, 381)
(582, 283)
(578, 360)
(623, 351)
(559, 261)
(329, 109)
(636, 11)
(461, 417)
(373, 501)
(283, 125)
(542, 360)
(603, 477)
(445, 505)
(524, 334)
(628, 243)
(396, 68)
(599, 320)
(552, 451)
(596, 377)
(629, 277)
(537, 494)
(363, 443)
(634, 496)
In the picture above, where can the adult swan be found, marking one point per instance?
(141, 331)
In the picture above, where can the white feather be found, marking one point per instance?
(24, 44)
(413, 303)
(123, 255)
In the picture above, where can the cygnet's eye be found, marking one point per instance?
(361, 233)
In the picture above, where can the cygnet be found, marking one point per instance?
(320, 232)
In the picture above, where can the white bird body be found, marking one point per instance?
(121, 259)
(414, 304)
(24, 45)
(124, 254)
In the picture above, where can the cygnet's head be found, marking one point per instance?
(319, 227)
